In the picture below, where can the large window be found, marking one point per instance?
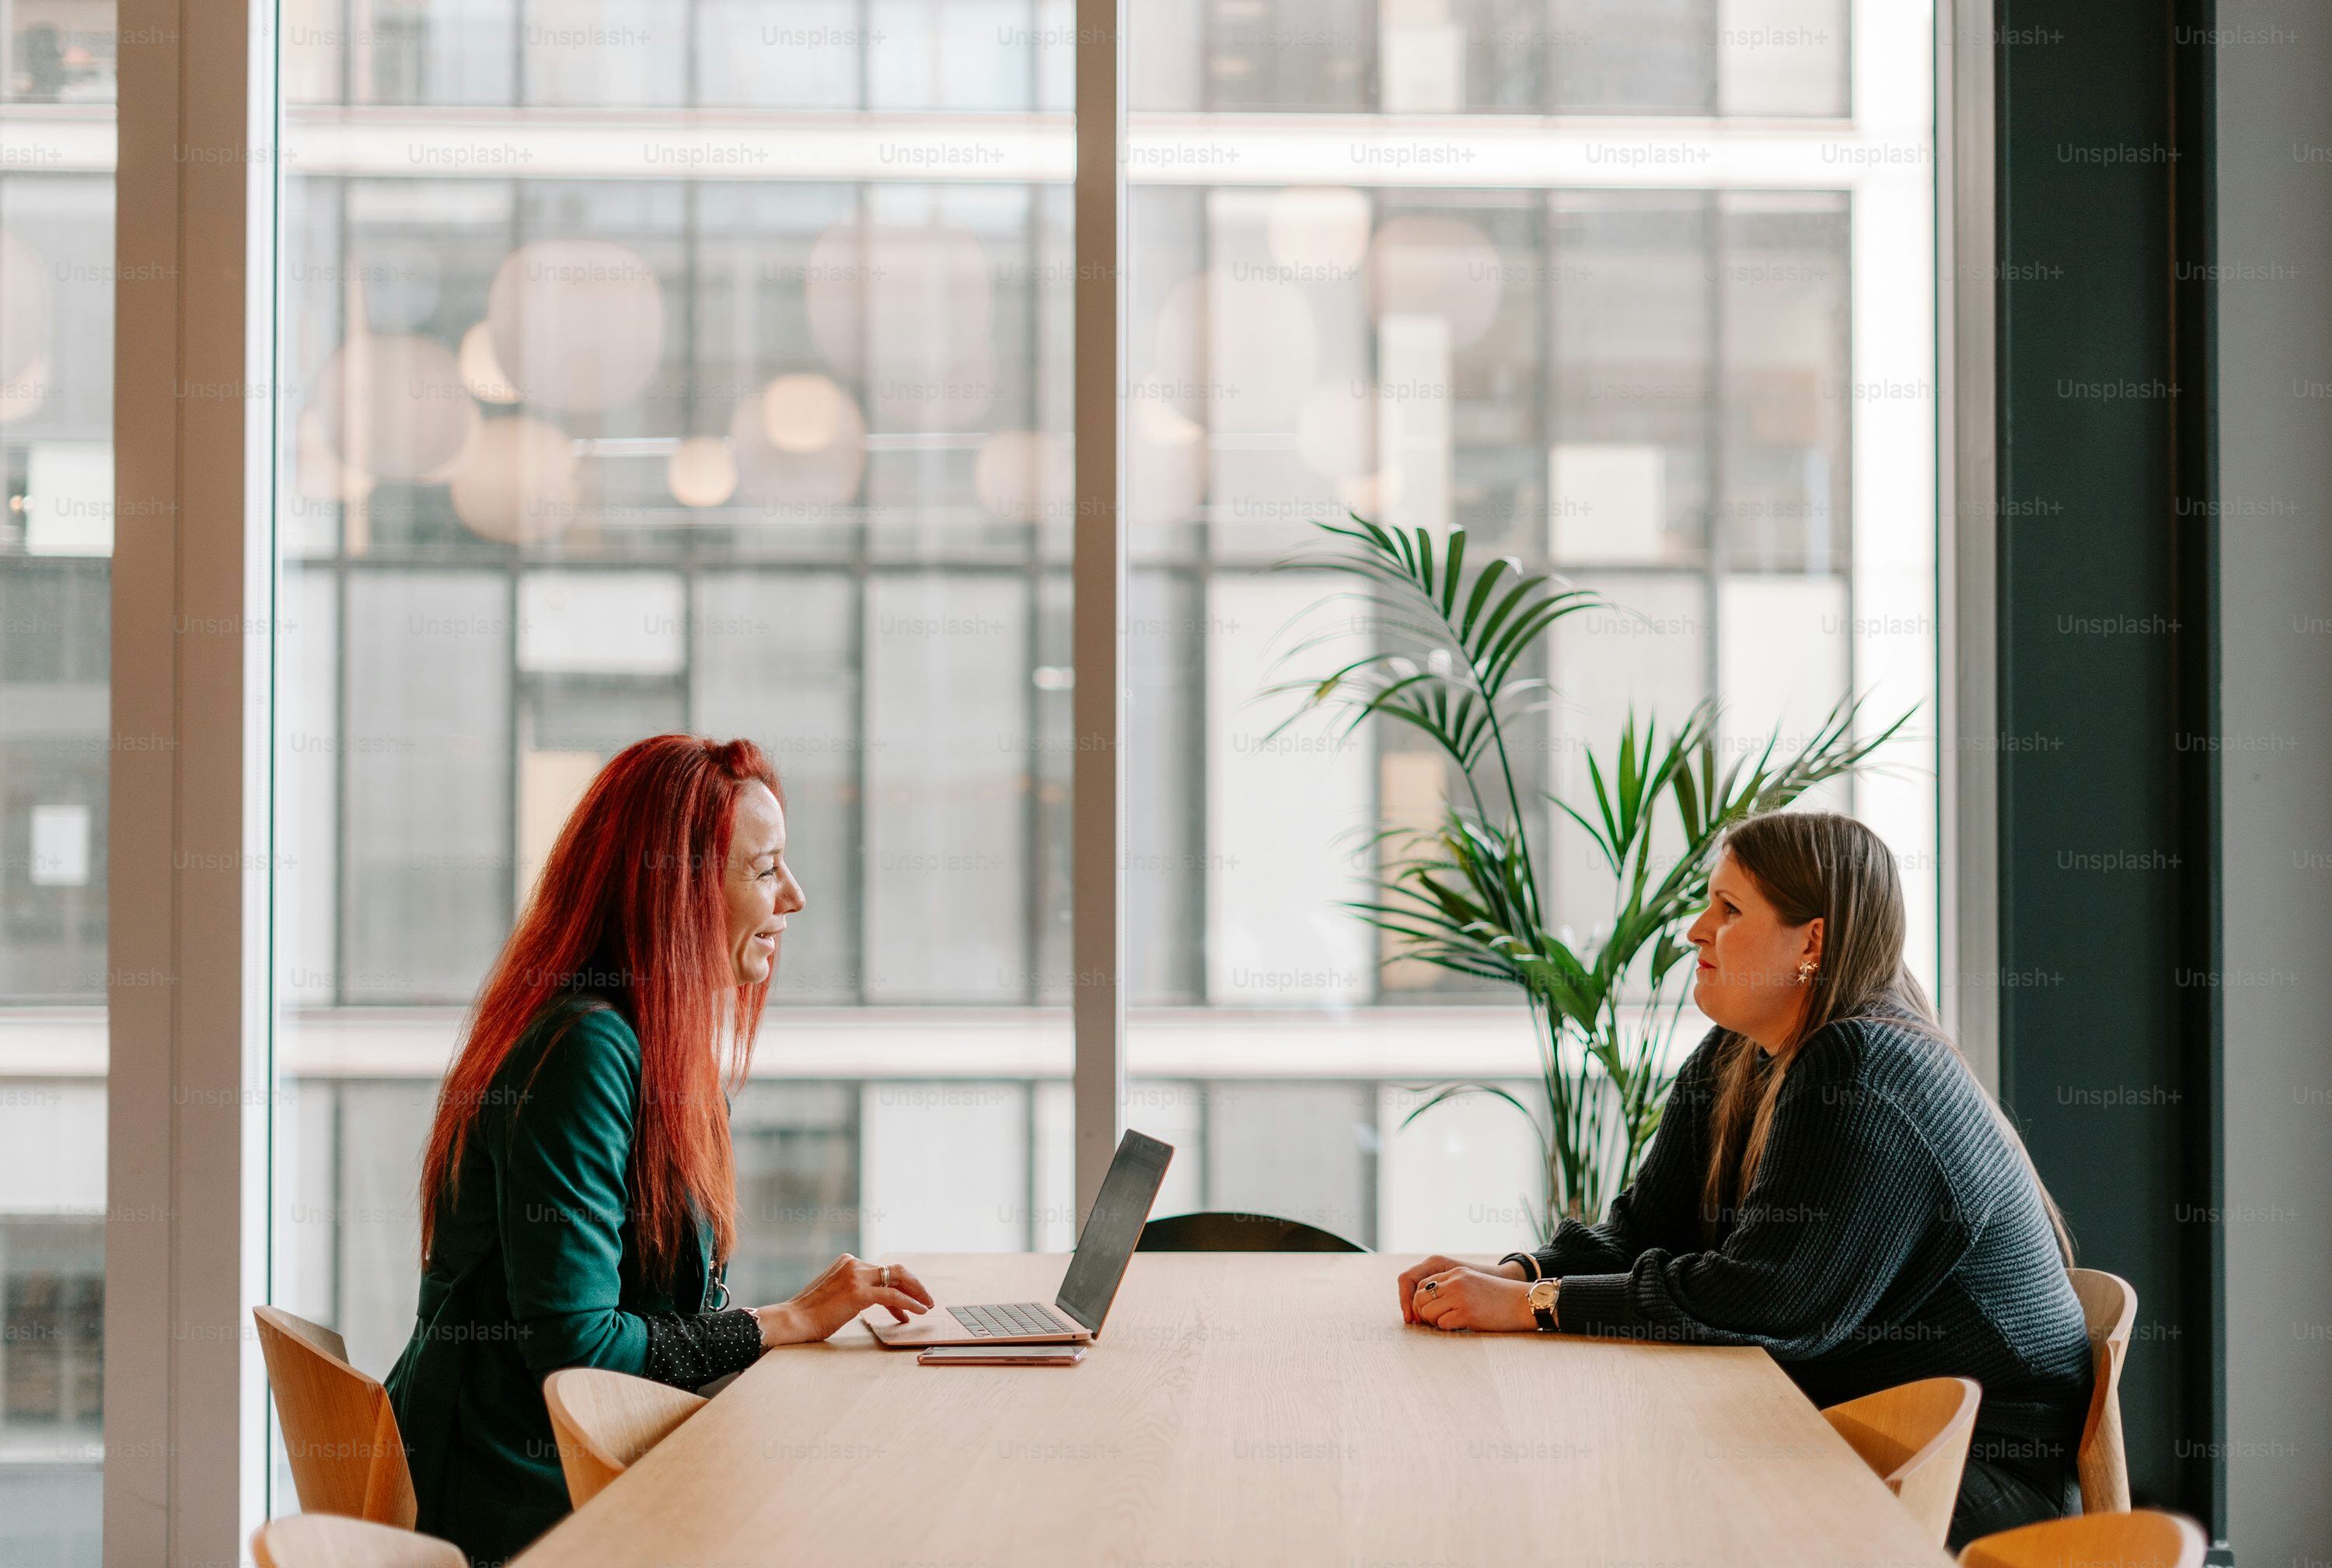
(709, 365)
(56, 537)
(1653, 356)
(595, 427)
(724, 410)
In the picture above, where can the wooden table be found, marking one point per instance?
(1248, 1409)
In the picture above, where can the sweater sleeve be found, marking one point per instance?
(690, 1350)
(1662, 1206)
(1850, 1203)
(563, 1197)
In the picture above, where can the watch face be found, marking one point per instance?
(1541, 1295)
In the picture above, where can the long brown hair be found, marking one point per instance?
(630, 905)
(1824, 865)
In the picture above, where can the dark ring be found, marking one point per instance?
(1433, 1285)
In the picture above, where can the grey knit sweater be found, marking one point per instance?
(1892, 1233)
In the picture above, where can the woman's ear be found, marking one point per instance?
(1814, 948)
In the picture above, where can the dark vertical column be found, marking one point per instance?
(2200, 1450)
(2107, 640)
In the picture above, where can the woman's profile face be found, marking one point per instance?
(760, 887)
(1747, 978)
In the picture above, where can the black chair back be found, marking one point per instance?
(1216, 1232)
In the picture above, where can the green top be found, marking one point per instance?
(536, 1266)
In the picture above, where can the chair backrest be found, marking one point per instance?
(1914, 1437)
(2145, 1539)
(1220, 1232)
(605, 1421)
(333, 1540)
(2108, 1306)
(340, 1431)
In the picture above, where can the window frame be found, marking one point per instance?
(187, 1119)
(1968, 521)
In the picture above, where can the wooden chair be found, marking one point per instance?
(2109, 1307)
(338, 1431)
(1914, 1437)
(332, 1541)
(2145, 1539)
(606, 1420)
(1221, 1232)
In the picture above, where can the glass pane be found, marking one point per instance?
(635, 419)
(1766, 58)
(1629, 469)
(56, 545)
(1782, 57)
(1630, 57)
(1652, 385)
(1782, 274)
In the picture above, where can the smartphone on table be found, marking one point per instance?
(1003, 1355)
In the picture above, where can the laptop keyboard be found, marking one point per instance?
(989, 1322)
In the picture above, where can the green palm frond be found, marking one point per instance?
(1459, 643)
(1450, 662)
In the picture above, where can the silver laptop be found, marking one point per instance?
(1107, 1242)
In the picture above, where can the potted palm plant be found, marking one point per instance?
(1453, 660)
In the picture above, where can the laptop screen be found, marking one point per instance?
(1113, 1228)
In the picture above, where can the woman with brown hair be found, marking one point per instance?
(1828, 1182)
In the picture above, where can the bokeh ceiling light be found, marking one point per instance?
(1166, 456)
(701, 472)
(1437, 266)
(798, 486)
(395, 407)
(907, 310)
(577, 325)
(317, 472)
(482, 373)
(804, 413)
(1318, 228)
(1023, 475)
(1158, 422)
(519, 483)
(444, 472)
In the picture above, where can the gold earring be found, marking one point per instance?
(1806, 971)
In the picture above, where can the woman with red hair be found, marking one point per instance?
(577, 1196)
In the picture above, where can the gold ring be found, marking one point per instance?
(1433, 1285)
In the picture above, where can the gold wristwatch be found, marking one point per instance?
(1542, 1303)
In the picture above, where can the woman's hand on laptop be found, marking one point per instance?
(1413, 1278)
(846, 1289)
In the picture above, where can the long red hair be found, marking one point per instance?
(630, 905)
